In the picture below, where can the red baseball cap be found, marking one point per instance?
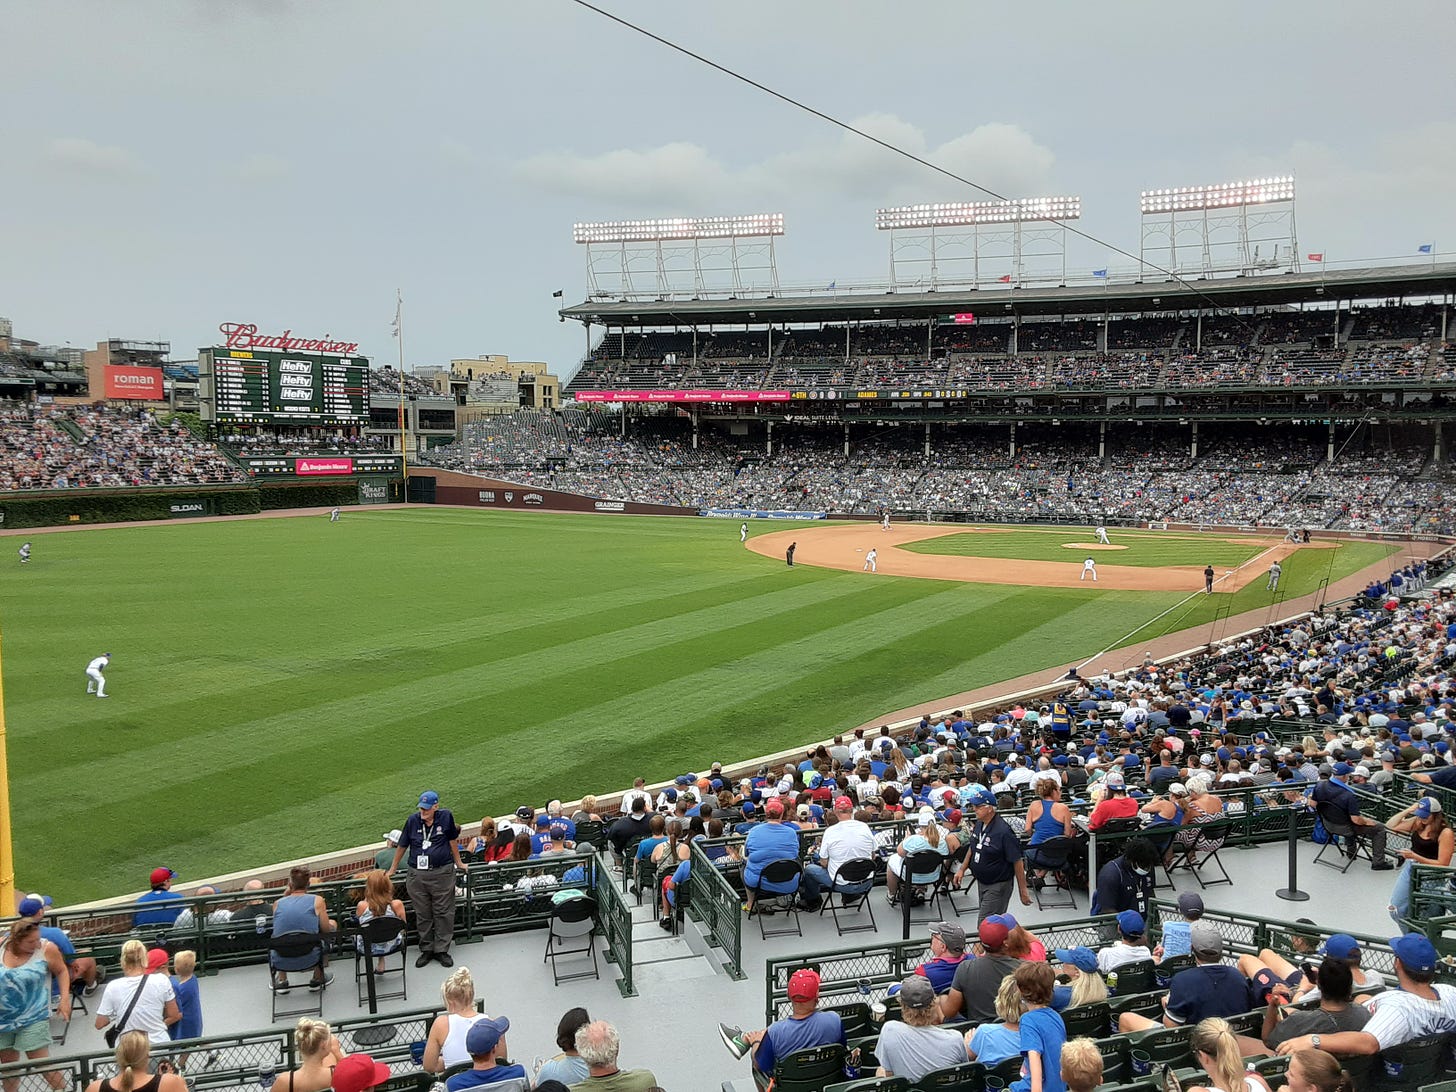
(804, 985)
(356, 1072)
(993, 935)
(156, 959)
(843, 803)
(161, 876)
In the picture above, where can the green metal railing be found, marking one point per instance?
(244, 1061)
(614, 919)
(716, 905)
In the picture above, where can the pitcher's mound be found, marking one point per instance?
(1089, 546)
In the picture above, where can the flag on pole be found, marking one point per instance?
(1005, 280)
(398, 313)
(1426, 248)
(1099, 272)
(1316, 257)
(557, 294)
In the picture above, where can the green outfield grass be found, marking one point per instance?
(1145, 548)
(282, 687)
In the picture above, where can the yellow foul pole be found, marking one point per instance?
(7, 857)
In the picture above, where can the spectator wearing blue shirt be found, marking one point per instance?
(189, 999)
(770, 841)
(1209, 988)
(168, 902)
(805, 1027)
(1042, 1032)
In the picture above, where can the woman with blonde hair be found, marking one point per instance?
(1316, 1071)
(133, 1051)
(379, 902)
(925, 837)
(1216, 1049)
(155, 1008)
(318, 1053)
(445, 1046)
(1202, 806)
(991, 1043)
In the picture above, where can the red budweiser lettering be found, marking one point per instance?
(244, 335)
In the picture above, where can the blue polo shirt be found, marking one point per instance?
(766, 843)
(161, 914)
(433, 839)
(475, 1078)
(783, 1037)
(1211, 989)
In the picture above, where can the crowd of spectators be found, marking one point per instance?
(76, 447)
(387, 380)
(1242, 477)
(300, 441)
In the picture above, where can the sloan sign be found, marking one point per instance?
(143, 384)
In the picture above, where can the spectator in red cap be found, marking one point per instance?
(972, 993)
(356, 1072)
(168, 902)
(766, 843)
(847, 840)
(804, 1027)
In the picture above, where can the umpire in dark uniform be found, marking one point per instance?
(429, 845)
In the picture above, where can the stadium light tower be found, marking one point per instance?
(704, 248)
(952, 239)
(1222, 228)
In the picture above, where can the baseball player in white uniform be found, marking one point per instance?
(1102, 535)
(24, 552)
(885, 522)
(1275, 570)
(96, 681)
(1089, 566)
(334, 516)
(870, 561)
(743, 532)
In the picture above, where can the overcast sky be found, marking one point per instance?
(173, 165)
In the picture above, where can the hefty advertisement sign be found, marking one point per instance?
(142, 384)
(323, 466)
(682, 396)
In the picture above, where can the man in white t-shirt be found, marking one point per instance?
(847, 840)
(1419, 1008)
(1130, 946)
(96, 681)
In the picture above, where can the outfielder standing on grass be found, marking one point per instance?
(24, 552)
(1275, 570)
(95, 680)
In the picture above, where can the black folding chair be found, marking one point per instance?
(383, 932)
(1203, 849)
(296, 946)
(859, 872)
(1341, 833)
(572, 919)
(780, 874)
(1053, 856)
(926, 863)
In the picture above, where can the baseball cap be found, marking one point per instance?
(1414, 950)
(992, 934)
(682, 779)
(161, 875)
(156, 959)
(1341, 946)
(1081, 957)
(916, 992)
(804, 985)
(1177, 788)
(525, 812)
(485, 1033)
(925, 817)
(394, 836)
(1003, 919)
(356, 1072)
(843, 803)
(1130, 924)
(1342, 769)
(429, 798)
(31, 907)
(543, 820)
(1203, 936)
(952, 934)
(774, 808)
(1190, 904)
(1427, 806)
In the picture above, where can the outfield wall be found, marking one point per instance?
(474, 491)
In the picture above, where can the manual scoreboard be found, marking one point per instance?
(268, 387)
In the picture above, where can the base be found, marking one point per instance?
(1292, 894)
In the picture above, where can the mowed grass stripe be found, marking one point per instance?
(565, 752)
(1140, 550)
(372, 699)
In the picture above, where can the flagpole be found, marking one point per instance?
(403, 443)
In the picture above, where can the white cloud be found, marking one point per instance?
(78, 156)
(682, 177)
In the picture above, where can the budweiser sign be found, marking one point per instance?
(244, 335)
